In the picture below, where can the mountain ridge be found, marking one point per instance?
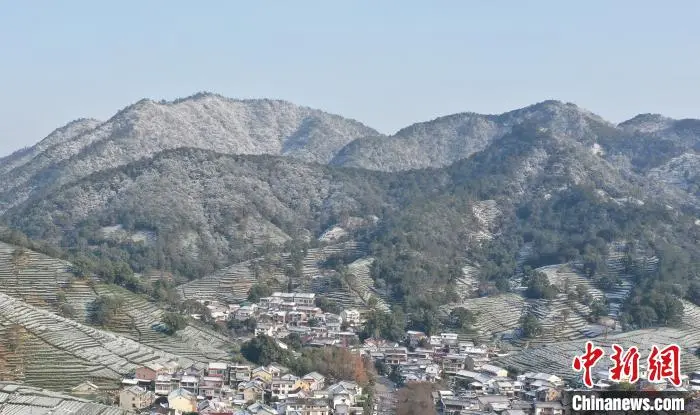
(204, 120)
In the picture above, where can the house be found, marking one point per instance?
(282, 387)
(213, 407)
(181, 400)
(352, 387)
(135, 398)
(218, 369)
(305, 299)
(449, 339)
(548, 408)
(503, 387)
(150, 371)
(164, 385)
(455, 406)
(414, 337)
(395, 355)
(493, 370)
(262, 374)
(493, 403)
(261, 409)
(244, 313)
(240, 373)
(533, 380)
(85, 388)
(313, 381)
(210, 386)
(306, 406)
(190, 383)
(265, 329)
(452, 363)
(277, 370)
(350, 317)
(252, 391)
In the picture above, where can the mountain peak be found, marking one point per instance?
(646, 123)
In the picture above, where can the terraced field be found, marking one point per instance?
(58, 353)
(140, 324)
(495, 316)
(231, 284)
(21, 399)
(556, 357)
(31, 276)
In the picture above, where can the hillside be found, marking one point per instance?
(23, 399)
(35, 289)
(642, 141)
(143, 129)
(205, 209)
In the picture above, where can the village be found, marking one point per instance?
(463, 377)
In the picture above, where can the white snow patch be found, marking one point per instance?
(332, 234)
(597, 149)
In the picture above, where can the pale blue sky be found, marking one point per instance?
(385, 63)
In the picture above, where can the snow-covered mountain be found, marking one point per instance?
(204, 121)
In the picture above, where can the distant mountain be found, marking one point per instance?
(447, 139)
(61, 136)
(204, 121)
(198, 184)
(641, 143)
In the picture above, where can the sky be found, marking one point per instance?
(385, 63)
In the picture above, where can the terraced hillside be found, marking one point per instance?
(57, 353)
(22, 399)
(71, 349)
(140, 322)
(556, 357)
(495, 316)
(31, 276)
(231, 284)
(562, 318)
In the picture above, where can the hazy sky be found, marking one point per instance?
(385, 63)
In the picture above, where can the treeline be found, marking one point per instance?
(336, 363)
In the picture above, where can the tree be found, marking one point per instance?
(173, 322)
(327, 305)
(379, 324)
(415, 399)
(258, 291)
(263, 350)
(462, 318)
(538, 286)
(105, 309)
(293, 340)
(531, 327)
(598, 309)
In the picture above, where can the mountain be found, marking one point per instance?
(637, 145)
(60, 136)
(445, 140)
(147, 127)
(544, 185)
(203, 207)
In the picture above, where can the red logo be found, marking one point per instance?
(665, 364)
(626, 364)
(587, 361)
(662, 364)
